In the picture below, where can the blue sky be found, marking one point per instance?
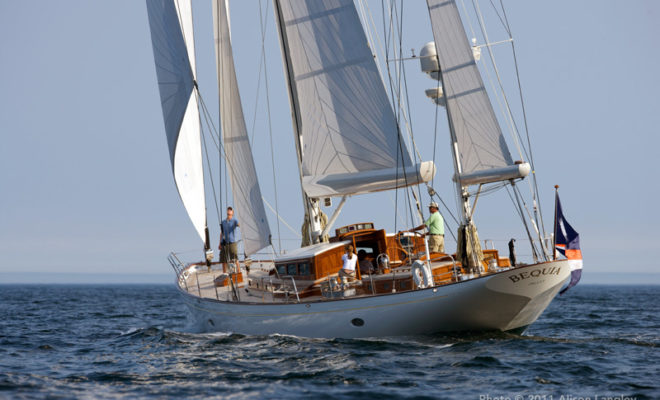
(85, 174)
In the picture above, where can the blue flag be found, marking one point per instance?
(567, 242)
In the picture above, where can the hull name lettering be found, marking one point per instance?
(535, 273)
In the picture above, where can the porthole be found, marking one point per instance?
(357, 322)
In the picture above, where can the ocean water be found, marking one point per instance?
(133, 341)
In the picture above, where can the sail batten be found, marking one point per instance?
(343, 115)
(173, 46)
(248, 201)
(481, 145)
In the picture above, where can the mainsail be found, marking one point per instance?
(240, 163)
(174, 55)
(348, 137)
(483, 153)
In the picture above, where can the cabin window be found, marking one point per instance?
(371, 251)
(281, 269)
(303, 269)
(292, 269)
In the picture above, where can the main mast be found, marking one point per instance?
(310, 218)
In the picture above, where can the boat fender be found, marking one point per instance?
(421, 274)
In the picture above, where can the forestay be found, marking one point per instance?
(481, 145)
(342, 114)
(174, 50)
(240, 163)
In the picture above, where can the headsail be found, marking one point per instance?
(240, 163)
(342, 113)
(483, 153)
(174, 55)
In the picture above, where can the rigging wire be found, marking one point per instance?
(507, 108)
(195, 90)
(524, 220)
(208, 163)
(400, 78)
(527, 150)
(211, 129)
(377, 44)
(264, 22)
(296, 232)
(219, 140)
(395, 93)
(404, 102)
(435, 146)
(408, 119)
(219, 145)
(386, 36)
(509, 115)
(524, 113)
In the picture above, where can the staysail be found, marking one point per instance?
(174, 50)
(348, 137)
(248, 202)
(483, 153)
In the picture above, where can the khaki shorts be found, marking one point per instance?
(436, 243)
(345, 274)
(229, 252)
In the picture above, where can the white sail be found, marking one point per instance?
(481, 145)
(342, 113)
(248, 202)
(173, 46)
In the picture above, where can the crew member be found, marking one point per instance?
(228, 245)
(436, 229)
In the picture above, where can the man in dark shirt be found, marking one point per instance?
(228, 244)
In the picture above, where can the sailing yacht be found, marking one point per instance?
(348, 142)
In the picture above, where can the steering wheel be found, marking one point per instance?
(402, 248)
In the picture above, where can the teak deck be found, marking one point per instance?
(311, 273)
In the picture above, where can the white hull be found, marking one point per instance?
(503, 301)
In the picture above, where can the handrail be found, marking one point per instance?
(176, 264)
(179, 268)
(371, 278)
(295, 288)
(454, 270)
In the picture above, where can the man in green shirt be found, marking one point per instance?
(436, 228)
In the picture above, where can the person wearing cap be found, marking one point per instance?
(436, 228)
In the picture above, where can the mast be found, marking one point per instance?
(246, 192)
(295, 116)
(346, 133)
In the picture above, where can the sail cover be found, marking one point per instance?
(245, 186)
(481, 145)
(342, 113)
(173, 45)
